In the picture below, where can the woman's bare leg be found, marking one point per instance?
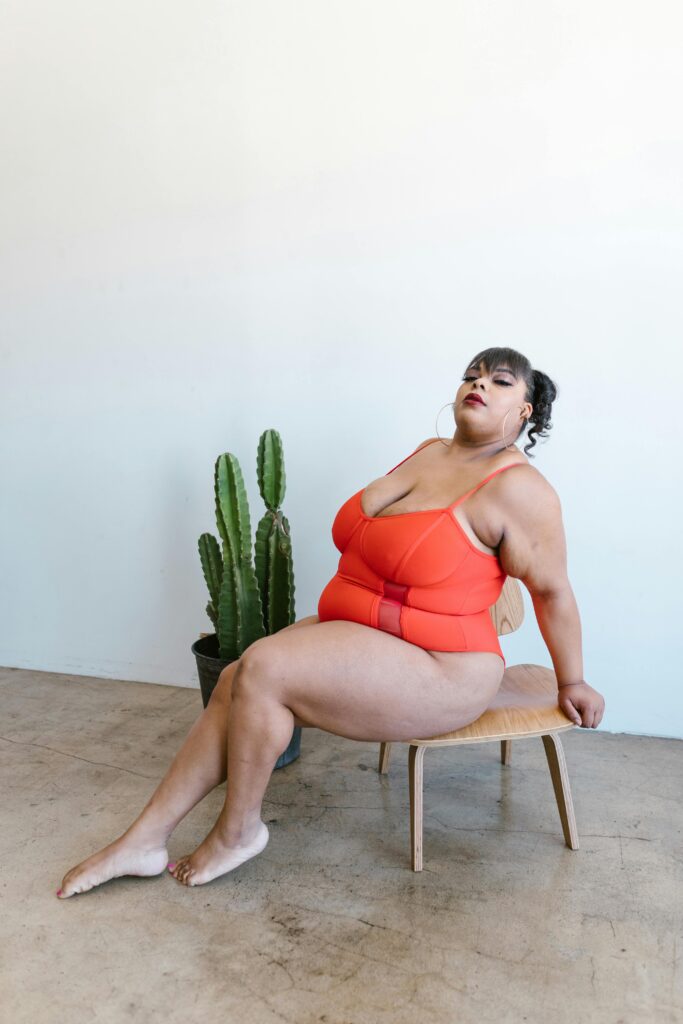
(344, 678)
(199, 766)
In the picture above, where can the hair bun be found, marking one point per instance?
(544, 394)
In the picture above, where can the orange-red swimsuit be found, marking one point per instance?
(416, 575)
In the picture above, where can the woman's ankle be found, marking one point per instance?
(146, 836)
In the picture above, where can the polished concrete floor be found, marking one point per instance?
(330, 924)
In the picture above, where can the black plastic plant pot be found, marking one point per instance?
(210, 666)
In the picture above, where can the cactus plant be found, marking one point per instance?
(249, 600)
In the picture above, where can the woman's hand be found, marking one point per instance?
(581, 703)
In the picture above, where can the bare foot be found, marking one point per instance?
(214, 857)
(122, 857)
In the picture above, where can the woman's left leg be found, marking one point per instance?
(343, 677)
(197, 768)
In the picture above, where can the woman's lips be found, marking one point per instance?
(473, 401)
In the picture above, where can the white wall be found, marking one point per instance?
(308, 216)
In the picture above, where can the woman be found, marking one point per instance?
(403, 645)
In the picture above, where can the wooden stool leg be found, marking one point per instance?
(505, 751)
(384, 754)
(554, 752)
(416, 780)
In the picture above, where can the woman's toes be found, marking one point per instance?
(179, 867)
(215, 857)
(68, 886)
(117, 859)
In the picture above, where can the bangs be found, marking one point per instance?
(495, 358)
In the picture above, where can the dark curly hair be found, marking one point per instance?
(541, 391)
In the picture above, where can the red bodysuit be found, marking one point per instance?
(416, 575)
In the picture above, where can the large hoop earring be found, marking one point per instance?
(508, 446)
(503, 437)
(436, 425)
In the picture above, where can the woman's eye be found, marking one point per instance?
(499, 381)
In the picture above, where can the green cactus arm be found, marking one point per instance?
(270, 469)
(234, 526)
(211, 612)
(251, 610)
(290, 562)
(279, 581)
(232, 507)
(212, 564)
(228, 625)
(240, 614)
(263, 531)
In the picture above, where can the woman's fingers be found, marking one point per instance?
(582, 712)
(579, 712)
(585, 706)
(570, 710)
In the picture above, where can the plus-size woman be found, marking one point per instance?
(403, 645)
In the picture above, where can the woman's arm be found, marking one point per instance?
(533, 549)
(558, 620)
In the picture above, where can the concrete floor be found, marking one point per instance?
(329, 924)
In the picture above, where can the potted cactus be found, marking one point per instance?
(246, 600)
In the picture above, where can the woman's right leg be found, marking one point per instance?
(199, 766)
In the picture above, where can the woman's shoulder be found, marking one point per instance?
(526, 486)
(430, 440)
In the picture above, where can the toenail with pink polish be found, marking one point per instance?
(171, 866)
(59, 892)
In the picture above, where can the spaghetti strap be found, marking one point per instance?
(413, 453)
(481, 483)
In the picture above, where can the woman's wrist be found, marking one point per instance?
(573, 682)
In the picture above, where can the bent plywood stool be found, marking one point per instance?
(524, 707)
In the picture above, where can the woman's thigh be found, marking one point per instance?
(366, 684)
(222, 691)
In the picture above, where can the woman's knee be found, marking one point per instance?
(222, 691)
(254, 664)
(257, 663)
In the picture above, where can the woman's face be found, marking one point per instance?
(501, 394)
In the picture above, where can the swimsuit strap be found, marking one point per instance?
(481, 483)
(412, 453)
(476, 487)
